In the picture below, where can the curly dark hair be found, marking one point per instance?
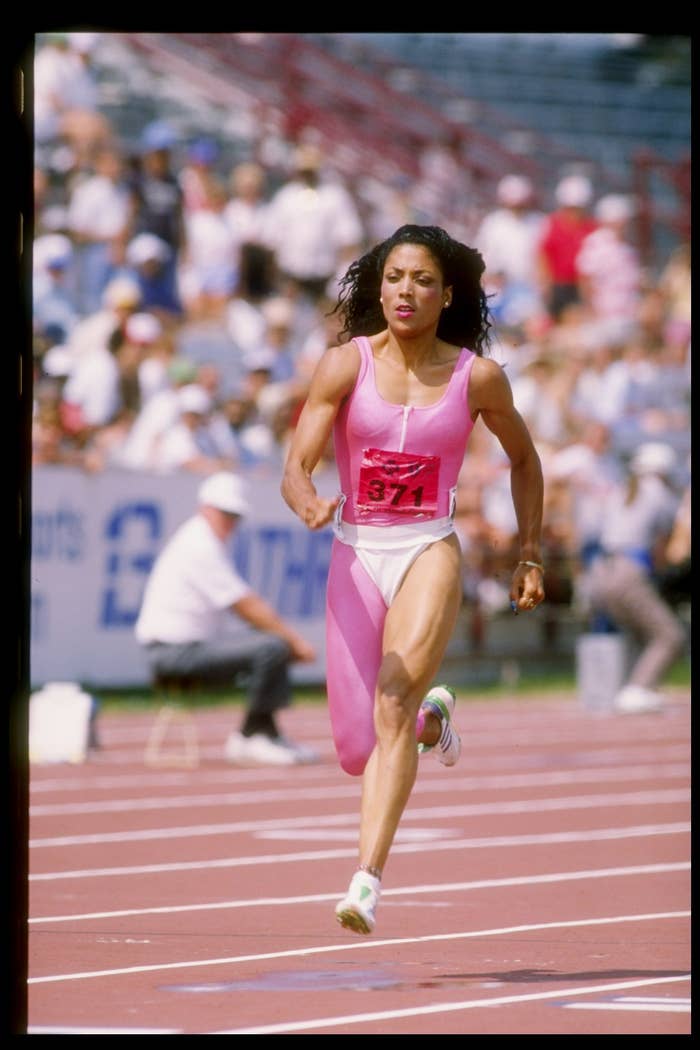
(465, 323)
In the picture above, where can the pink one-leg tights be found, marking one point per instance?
(355, 615)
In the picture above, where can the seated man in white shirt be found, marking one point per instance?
(191, 593)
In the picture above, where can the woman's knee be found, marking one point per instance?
(395, 699)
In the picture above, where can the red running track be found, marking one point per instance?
(542, 886)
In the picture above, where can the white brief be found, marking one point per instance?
(388, 552)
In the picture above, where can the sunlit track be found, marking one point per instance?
(263, 828)
(377, 943)
(201, 901)
(310, 856)
(412, 891)
(425, 785)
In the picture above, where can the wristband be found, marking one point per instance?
(533, 565)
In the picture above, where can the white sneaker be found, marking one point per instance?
(635, 699)
(356, 910)
(261, 750)
(440, 701)
(306, 756)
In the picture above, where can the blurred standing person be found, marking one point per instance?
(209, 265)
(563, 234)
(66, 102)
(400, 400)
(610, 273)
(98, 218)
(636, 523)
(246, 207)
(149, 264)
(508, 237)
(193, 596)
(157, 203)
(55, 311)
(313, 227)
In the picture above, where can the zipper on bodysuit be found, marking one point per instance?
(404, 426)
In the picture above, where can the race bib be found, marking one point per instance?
(398, 483)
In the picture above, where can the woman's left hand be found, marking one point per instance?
(527, 588)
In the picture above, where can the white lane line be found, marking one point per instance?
(431, 888)
(297, 953)
(661, 1006)
(306, 856)
(262, 828)
(424, 785)
(441, 1008)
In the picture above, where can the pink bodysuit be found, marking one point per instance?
(398, 467)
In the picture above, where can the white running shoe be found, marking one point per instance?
(356, 910)
(634, 699)
(261, 750)
(440, 702)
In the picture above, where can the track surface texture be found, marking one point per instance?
(541, 886)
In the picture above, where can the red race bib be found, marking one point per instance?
(398, 483)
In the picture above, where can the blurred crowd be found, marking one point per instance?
(179, 309)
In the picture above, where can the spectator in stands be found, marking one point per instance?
(120, 299)
(244, 318)
(313, 227)
(508, 237)
(157, 202)
(97, 218)
(610, 272)
(193, 598)
(190, 442)
(636, 523)
(246, 207)
(54, 296)
(157, 414)
(675, 286)
(103, 383)
(209, 266)
(562, 236)
(585, 472)
(66, 98)
(149, 264)
(198, 176)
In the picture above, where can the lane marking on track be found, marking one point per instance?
(298, 953)
(431, 888)
(659, 797)
(424, 785)
(440, 1008)
(653, 1004)
(493, 842)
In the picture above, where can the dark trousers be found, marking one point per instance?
(259, 661)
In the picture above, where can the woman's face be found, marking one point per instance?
(412, 291)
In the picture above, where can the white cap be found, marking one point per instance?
(146, 247)
(614, 208)
(653, 458)
(193, 398)
(122, 291)
(57, 361)
(278, 312)
(143, 328)
(574, 191)
(514, 189)
(53, 249)
(226, 492)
